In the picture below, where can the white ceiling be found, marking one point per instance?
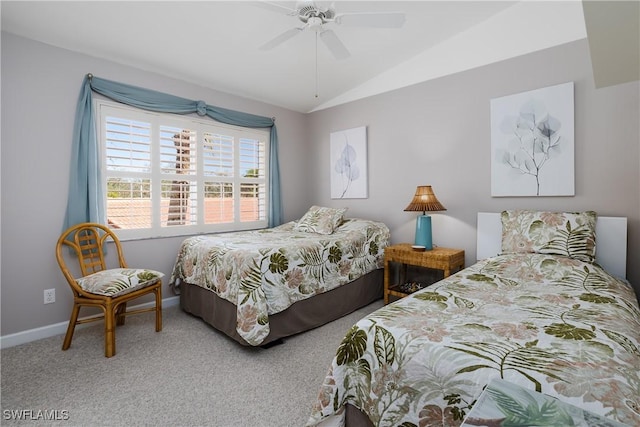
(215, 43)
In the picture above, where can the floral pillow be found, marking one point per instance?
(118, 281)
(571, 234)
(320, 220)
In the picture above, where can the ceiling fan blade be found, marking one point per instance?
(372, 19)
(274, 7)
(337, 48)
(281, 38)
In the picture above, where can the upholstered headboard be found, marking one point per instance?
(611, 241)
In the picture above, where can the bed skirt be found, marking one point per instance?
(301, 316)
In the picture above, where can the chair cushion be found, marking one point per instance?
(118, 281)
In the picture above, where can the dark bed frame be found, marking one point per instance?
(301, 316)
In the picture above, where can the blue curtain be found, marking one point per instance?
(85, 202)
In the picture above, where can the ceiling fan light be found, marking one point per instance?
(315, 24)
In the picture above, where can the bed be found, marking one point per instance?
(540, 312)
(262, 285)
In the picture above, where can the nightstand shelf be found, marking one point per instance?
(445, 259)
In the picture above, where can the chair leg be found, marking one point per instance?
(122, 308)
(109, 331)
(158, 293)
(72, 326)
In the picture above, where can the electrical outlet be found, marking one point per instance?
(49, 296)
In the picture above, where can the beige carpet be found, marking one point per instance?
(187, 375)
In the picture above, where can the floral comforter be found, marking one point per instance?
(549, 323)
(263, 272)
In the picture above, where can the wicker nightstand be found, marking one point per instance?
(445, 259)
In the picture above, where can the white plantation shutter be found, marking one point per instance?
(219, 168)
(128, 169)
(128, 145)
(177, 150)
(253, 163)
(179, 197)
(218, 155)
(174, 175)
(129, 203)
(252, 157)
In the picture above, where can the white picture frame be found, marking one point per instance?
(348, 163)
(532, 143)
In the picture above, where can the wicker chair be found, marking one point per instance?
(109, 289)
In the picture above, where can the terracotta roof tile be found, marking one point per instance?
(136, 213)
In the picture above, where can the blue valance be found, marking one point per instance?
(86, 198)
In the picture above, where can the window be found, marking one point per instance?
(168, 175)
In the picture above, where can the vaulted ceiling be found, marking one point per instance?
(217, 43)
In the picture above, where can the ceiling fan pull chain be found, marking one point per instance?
(316, 64)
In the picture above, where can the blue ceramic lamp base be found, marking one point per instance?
(423, 232)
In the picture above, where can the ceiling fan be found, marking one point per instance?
(316, 18)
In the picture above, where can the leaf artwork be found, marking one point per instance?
(346, 166)
(348, 163)
(535, 140)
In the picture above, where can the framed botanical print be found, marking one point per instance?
(348, 162)
(532, 143)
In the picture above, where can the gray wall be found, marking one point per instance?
(433, 133)
(438, 133)
(40, 87)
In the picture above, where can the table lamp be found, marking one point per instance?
(424, 200)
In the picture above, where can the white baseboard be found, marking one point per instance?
(23, 337)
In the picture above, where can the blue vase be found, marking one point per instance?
(423, 232)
